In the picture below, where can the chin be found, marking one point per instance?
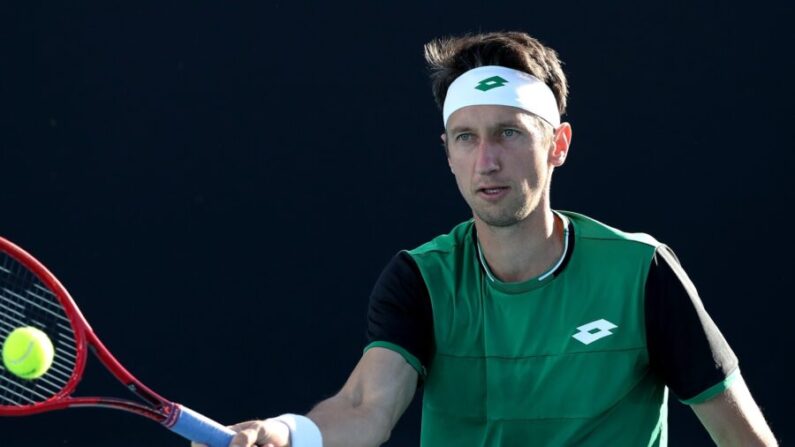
(499, 221)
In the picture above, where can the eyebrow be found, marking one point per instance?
(458, 129)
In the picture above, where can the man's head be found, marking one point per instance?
(502, 150)
(449, 58)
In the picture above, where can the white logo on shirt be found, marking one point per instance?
(593, 331)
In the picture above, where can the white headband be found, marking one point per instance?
(501, 86)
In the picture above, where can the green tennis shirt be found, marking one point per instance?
(557, 361)
(578, 356)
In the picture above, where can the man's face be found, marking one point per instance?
(502, 158)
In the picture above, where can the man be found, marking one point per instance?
(525, 325)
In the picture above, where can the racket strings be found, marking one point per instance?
(26, 301)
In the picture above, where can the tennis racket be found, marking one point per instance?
(31, 296)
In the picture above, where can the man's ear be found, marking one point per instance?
(561, 141)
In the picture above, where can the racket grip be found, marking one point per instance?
(198, 428)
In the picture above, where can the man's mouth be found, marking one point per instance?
(492, 191)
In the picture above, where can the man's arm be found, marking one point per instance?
(732, 418)
(694, 360)
(362, 413)
(370, 403)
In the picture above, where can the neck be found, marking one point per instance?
(525, 250)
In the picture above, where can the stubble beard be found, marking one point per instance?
(502, 215)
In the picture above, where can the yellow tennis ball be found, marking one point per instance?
(28, 352)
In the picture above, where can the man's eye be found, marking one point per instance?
(508, 133)
(463, 137)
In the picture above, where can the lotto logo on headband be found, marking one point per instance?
(481, 86)
(490, 83)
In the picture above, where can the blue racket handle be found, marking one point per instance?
(192, 425)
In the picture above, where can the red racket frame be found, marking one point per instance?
(161, 409)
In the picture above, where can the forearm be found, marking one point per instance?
(370, 403)
(347, 423)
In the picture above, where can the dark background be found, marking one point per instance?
(219, 184)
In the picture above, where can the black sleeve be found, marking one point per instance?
(400, 309)
(685, 346)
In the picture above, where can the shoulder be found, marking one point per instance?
(446, 243)
(587, 228)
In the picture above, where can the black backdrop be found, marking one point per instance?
(219, 184)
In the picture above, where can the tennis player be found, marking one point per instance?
(526, 325)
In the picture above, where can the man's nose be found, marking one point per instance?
(488, 157)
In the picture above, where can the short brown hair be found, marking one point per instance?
(449, 57)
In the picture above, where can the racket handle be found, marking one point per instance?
(198, 428)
